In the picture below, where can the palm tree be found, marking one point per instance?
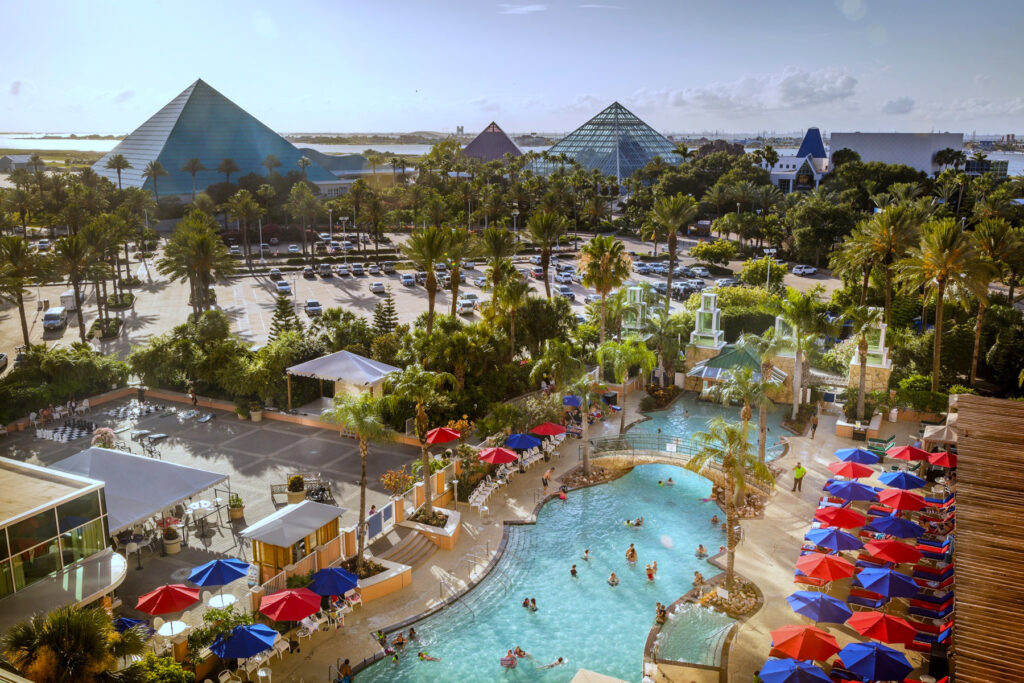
(70, 644)
(73, 259)
(545, 229)
(459, 247)
(620, 357)
(426, 248)
(801, 312)
(360, 415)
(245, 209)
(558, 362)
(118, 163)
(891, 233)
(726, 459)
(196, 254)
(192, 167)
(949, 261)
(155, 170)
(605, 266)
(748, 388)
(764, 347)
(684, 152)
(854, 258)
(863, 320)
(719, 197)
(497, 246)
(423, 388)
(999, 243)
(227, 167)
(303, 204)
(270, 162)
(670, 215)
(589, 391)
(304, 163)
(19, 267)
(664, 332)
(512, 295)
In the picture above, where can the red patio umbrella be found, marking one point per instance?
(497, 456)
(943, 459)
(803, 642)
(442, 435)
(853, 470)
(293, 604)
(171, 598)
(844, 518)
(907, 453)
(548, 429)
(826, 567)
(898, 499)
(883, 627)
(893, 551)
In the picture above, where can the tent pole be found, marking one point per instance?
(289, 378)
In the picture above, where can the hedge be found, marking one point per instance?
(737, 321)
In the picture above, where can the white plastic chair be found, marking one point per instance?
(225, 676)
(280, 647)
(353, 598)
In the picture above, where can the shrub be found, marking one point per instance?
(434, 518)
(961, 389)
(299, 580)
(103, 437)
(170, 534)
(397, 481)
(296, 483)
(662, 395)
(721, 251)
(105, 329)
(648, 403)
(235, 501)
(155, 669)
(120, 301)
(737, 321)
(215, 622)
(915, 393)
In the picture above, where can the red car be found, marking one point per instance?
(538, 273)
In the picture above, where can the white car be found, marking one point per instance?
(480, 281)
(235, 250)
(341, 269)
(408, 279)
(564, 277)
(804, 270)
(293, 249)
(565, 292)
(374, 269)
(313, 308)
(377, 287)
(592, 299)
(535, 259)
(469, 265)
(283, 287)
(700, 271)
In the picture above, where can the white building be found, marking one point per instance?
(803, 171)
(916, 150)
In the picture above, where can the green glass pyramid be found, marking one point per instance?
(202, 123)
(615, 142)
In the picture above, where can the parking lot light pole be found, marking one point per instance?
(330, 226)
(344, 236)
(515, 215)
(770, 253)
(262, 260)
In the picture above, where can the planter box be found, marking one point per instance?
(905, 415)
(256, 415)
(845, 429)
(296, 496)
(444, 537)
(172, 547)
(397, 577)
(236, 513)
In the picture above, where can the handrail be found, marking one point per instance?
(458, 598)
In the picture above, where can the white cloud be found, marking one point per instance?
(972, 108)
(982, 79)
(854, 10)
(520, 9)
(124, 96)
(901, 105)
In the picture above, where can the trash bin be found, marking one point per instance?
(611, 397)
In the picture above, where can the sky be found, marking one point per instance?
(405, 65)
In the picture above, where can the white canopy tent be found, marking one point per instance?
(292, 523)
(136, 487)
(346, 369)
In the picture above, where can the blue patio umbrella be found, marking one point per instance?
(857, 455)
(792, 671)
(895, 526)
(521, 441)
(244, 641)
(851, 490)
(122, 624)
(333, 581)
(834, 539)
(887, 582)
(902, 480)
(819, 607)
(218, 572)
(572, 400)
(875, 662)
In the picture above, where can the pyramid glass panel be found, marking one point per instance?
(615, 142)
(202, 123)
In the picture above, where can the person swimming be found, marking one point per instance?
(572, 571)
(520, 652)
(639, 521)
(412, 631)
(650, 573)
(628, 522)
(669, 482)
(586, 555)
(715, 520)
(558, 662)
(533, 605)
(613, 580)
(400, 641)
(631, 554)
(509, 661)
(526, 603)
(701, 551)
(424, 657)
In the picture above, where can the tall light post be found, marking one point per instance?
(262, 260)
(770, 253)
(330, 226)
(515, 215)
(344, 235)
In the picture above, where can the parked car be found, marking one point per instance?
(661, 288)
(804, 270)
(565, 267)
(566, 292)
(347, 246)
(324, 237)
(480, 281)
(700, 271)
(641, 268)
(440, 267)
(43, 245)
(265, 248)
(592, 299)
(682, 271)
(3, 362)
(293, 249)
(357, 268)
(389, 267)
(55, 319)
(465, 307)
(374, 269)
(421, 277)
(564, 277)
(273, 240)
(537, 273)
(341, 269)
(535, 259)
(308, 273)
(580, 319)
(275, 274)
(235, 250)
(377, 287)
(313, 308)
(469, 265)
(656, 269)
(408, 279)
(283, 287)
(727, 282)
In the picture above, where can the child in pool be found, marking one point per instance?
(613, 580)
(650, 573)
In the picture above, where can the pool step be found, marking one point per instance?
(412, 550)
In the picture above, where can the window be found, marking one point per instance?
(32, 531)
(82, 542)
(6, 579)
(3, 544)
(77, 512)
(35, 564)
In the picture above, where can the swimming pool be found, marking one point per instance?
(595, 626)
(693, 634)
(686, 416)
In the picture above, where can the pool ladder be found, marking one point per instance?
(455, 594)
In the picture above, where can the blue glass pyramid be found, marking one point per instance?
(202, 123)
(615, 142)
(812, 145)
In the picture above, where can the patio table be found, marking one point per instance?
(200, 506)
(172, 628)
(139, 433)
(222, 600)
(156, 437)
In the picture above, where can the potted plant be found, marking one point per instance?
(256, 411)
(242, 408)
(104, 437)
(172, 541)
(296, 489)
(236, 507)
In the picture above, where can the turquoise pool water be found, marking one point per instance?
(686, 416)
(693, 634)
(593, 625)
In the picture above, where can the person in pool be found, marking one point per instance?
(412, 631)
(572, 572)
(613, 580)
(639, 521)
(533, 605)
(715, 520)
(400, 641)
(526, 603)
(586, 555)
(520, 652)
(701, 551)
(631, 554)
(424, 657)
(669, 482)
(558, 662)
(509, 661)
(650, 573)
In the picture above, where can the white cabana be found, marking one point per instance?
(136, 487)
(292, 523)
(939, 434)
(349, 371)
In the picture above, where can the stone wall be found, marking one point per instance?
(877, 378)
(694, 355)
